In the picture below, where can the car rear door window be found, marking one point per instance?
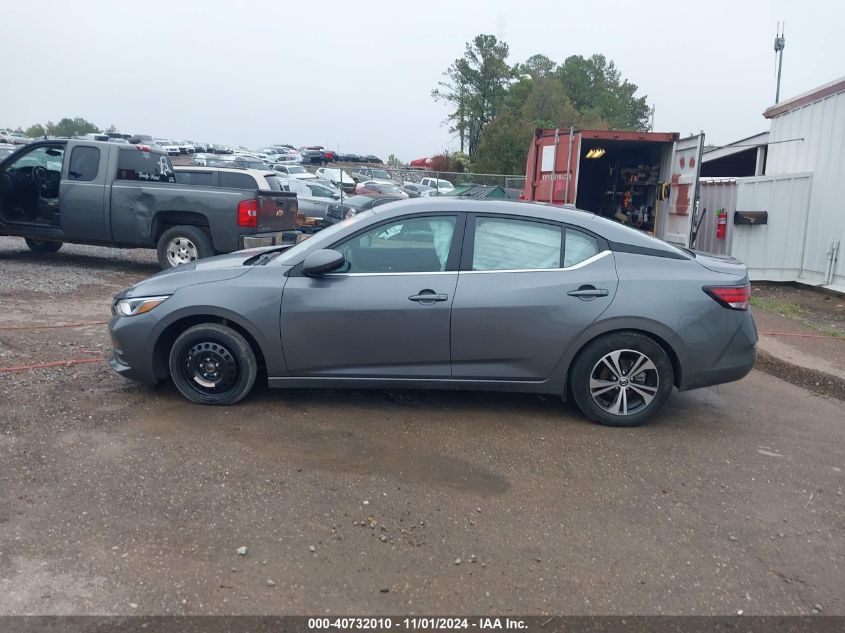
(409, 245)
(578, 247)
(84, 163)
(508, 244)
(236, 181)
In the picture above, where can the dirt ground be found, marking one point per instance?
(116, 498)
(820, 310)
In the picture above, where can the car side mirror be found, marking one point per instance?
(322, 261)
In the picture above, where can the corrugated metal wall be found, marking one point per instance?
(773, 251)
(822, 151)
(715, 194)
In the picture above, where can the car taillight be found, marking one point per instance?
(733, 297)
(248, 213)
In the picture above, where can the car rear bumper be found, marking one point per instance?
(268, 239)
(735, 362)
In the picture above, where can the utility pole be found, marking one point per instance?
(780, 44)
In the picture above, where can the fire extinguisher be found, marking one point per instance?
(721, 224)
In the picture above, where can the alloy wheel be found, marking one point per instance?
(624, 382)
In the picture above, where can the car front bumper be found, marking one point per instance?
(132, 354)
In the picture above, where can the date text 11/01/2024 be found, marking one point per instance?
(416, 623)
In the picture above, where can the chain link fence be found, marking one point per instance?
(512, 183)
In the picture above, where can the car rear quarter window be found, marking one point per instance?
(578, 247)
(84, 163)
(273, 183)
(195, 178)
(135, 164)
(507, 244)
(236, 181)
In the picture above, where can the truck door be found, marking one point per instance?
(83, 194)
(683, 190)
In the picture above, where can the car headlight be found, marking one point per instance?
(137, 305)
(350, 214)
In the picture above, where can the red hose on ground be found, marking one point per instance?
(799, 335)
(58, 363)
(50, 327)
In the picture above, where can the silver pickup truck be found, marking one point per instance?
(110, 194)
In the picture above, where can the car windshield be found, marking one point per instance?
(297, 170)
(388, 188)
(380, 173)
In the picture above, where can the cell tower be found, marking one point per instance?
(780, 44)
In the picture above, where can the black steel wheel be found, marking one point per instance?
(212, 364)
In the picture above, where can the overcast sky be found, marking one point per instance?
(357, 76)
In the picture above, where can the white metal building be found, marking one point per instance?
(802, 192)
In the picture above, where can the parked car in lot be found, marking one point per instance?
(6, 149)
(170, 147)
(92, 192)
(436, 293)
(231, 177)
(376, 188)
(418, 191)
(313, 198)
(314, 157)
(294, 171)
(370, 173)
(354, 205)
(370, 158)
(438, 184)
(246, 162)
(338, 176)
(289, 157)
(185, 147)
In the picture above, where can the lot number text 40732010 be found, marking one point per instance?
(416, 623)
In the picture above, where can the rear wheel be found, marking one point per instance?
(212, 364)
(183, 245)
(43, 246)
(622, 379)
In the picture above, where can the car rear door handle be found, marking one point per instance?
(588, 292)
(428, 296)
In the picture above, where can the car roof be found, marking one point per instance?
(604, 227)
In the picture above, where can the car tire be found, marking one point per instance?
(43, 246)
(182, 245)
(621, 379)
(212, 364)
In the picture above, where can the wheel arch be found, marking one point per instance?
(164, 220)
(172, 330)
(659, 333)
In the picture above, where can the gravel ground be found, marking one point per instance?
(123, 499)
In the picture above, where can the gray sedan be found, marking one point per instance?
(446, 293)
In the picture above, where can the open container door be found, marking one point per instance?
(677, 221)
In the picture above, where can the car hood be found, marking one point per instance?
(209, 270)
(721, 264)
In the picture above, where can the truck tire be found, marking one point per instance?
(212, 364)
(183, 245)
(43, 246)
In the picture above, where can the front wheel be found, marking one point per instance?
(183, 245)
(212, 364)
(622, 379)
(43, 246)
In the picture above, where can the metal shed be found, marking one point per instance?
(808, 135)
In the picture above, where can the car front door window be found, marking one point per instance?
(419, 244)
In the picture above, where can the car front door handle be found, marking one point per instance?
(428, 297)
(588, 292)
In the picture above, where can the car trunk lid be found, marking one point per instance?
(722, 264)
